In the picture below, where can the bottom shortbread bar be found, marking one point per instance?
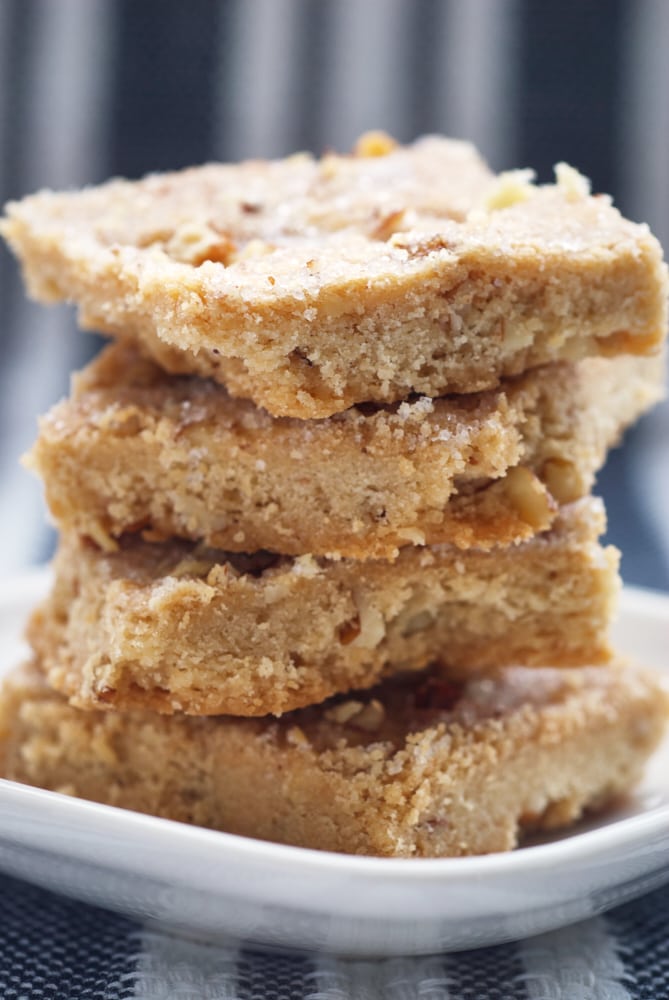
(417, 767)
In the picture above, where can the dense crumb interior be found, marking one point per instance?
(137, 450)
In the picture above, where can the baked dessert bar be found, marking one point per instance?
(178, 627)
(423, 767)
(311, 285)
(135, 449)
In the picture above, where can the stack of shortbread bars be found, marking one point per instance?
(329, 571)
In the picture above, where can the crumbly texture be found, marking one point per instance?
(177, 627)
(135, 449)
(310, 285)
(421, 768)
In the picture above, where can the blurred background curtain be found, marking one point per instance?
(91, 88)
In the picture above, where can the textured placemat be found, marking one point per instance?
(54, 948)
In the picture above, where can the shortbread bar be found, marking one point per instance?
(135, 449)
(311, 285)
(423, 767)
(177, 627)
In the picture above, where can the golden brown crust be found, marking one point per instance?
(308, 286)
(176, 627)
(136, 449)
(421, 768)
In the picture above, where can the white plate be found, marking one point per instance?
(214, 885)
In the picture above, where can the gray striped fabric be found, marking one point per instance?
(55, 949)
(115, 87)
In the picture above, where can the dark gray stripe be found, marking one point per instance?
(642, 932)
(628, 527)
(569, 86)
(17, 44)
(166, 63)
(14, 58)
(58, 949)
(490, 973)
(265, 975)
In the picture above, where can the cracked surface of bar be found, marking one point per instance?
(310, 285)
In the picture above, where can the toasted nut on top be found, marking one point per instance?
(377, 143)
(193, 244)
(388, 224)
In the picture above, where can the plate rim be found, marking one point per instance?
(248, 850)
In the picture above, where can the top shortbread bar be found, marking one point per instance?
(310, 285)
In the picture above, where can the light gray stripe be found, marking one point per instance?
(365, 88)
(68, 75)
(395, 979)
(69, 87)
(171, 969)
(477, 82)
(580, 962)
(644, 121)
(4, 92)
(261, 84)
